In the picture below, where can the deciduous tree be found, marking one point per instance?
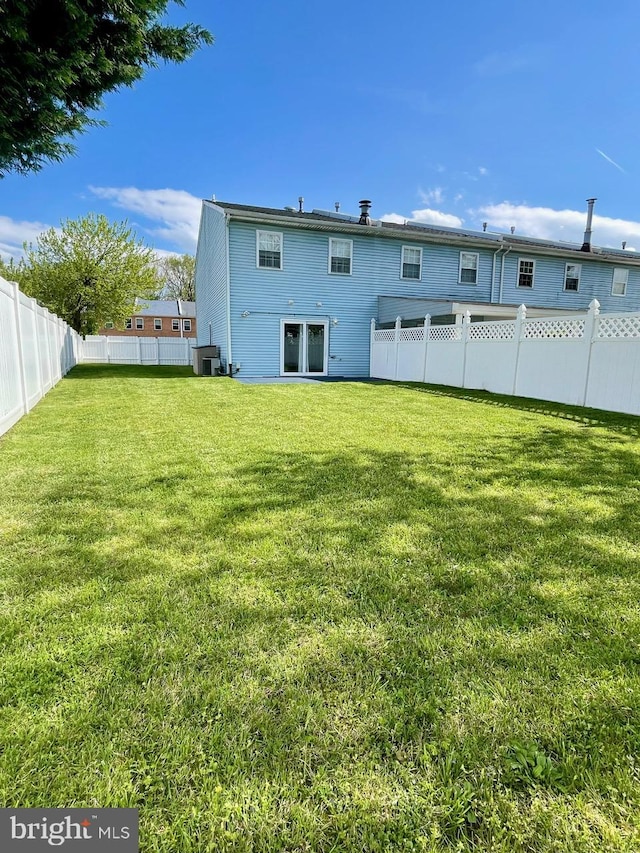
(178, 275)
(90, 271)
(59, 57)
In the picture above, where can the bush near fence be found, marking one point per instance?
(593, 360)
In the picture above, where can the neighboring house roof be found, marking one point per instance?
(164, 308)
(324, 220)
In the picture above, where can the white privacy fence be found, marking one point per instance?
(109, 349)
(592, 360)
(36, 350)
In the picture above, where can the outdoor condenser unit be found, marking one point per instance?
(206, 360)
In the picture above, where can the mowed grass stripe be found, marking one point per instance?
(355, 616)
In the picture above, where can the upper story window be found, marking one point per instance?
(572, 276)
(186, 325)
(340, 253)
(411, 263)
(157, 324)
(269, 250)
(526, 272)
(620, 279)
(139, 322)
(175, 325)
(468, 273)
(127, 324)
(108, 324)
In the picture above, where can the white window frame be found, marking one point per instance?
(533, 273)
(186, 325)
(139, 324)
(271, 234)
(578, 267)
(476, 255)
(333, 240)
(175, 325)
(128, 323)
(402, 263)
(157, 324)
(614, 282)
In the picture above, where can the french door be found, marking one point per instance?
(304, 347)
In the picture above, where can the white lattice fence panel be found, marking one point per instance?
(416, 334)
(554, 328)
(619, 327)
(384, 336)
(445, 333)
(491, 331)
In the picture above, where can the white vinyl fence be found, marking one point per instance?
(593, 360)
(107, 349)
(36, 350)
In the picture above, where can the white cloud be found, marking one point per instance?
(522, 58)
(483, 170)
(426, 216)
(176, 211)
(436, 195)
(549, 224)
(14, 233)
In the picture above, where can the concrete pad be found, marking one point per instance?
(275, 380)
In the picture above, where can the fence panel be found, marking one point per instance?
(592, 360)
(36, 350)
(115, 349)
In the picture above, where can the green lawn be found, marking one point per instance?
(336, 617)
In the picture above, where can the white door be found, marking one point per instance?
(304, 347)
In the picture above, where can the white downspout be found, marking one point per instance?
(493, 273)
(229, 351)
(502, 272)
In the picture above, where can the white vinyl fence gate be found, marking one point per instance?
(593, 360)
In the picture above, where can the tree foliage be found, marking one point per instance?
(178, 275)
(90, 271)
(58, 58)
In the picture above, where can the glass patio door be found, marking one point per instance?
(304, 347)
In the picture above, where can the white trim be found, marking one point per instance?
(340, 240)
(175, 325)
(227, 220)
(279, 234)
(156, 321)
(533, 273)
(579, 276)
(477, 270)
(304, 322)
(613, 281)
(413, 249)
(184, 324)
(139, 324)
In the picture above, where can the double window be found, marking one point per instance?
(340, 255)
(269, 250)
(526, 272)
(468, 272)
(572, 277)
(620, 279)
(411, 267)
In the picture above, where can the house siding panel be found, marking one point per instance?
(211, 279)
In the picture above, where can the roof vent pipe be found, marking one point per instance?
(586, 245)
(365, 207)
(337, 206)
(300, 204)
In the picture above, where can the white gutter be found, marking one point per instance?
(502, 272)
(227, 217)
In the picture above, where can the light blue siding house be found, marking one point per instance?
(285, 292)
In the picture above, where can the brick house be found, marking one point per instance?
(158, 318)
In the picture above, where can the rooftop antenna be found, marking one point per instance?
(300, 204)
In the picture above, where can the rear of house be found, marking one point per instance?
(284, 292)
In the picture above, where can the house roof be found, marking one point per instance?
(324, 220)
(164, 308)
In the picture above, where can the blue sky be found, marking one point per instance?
(461, 113)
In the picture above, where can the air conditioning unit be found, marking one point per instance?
(206, 360)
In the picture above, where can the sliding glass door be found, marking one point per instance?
(304, 347)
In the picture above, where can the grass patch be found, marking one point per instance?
(335, 617)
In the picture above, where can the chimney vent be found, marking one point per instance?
(337, 206)
(484, 226)
(513, 229)
(586, 243)
(300, 204)
(624, 244)
(365, 207)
